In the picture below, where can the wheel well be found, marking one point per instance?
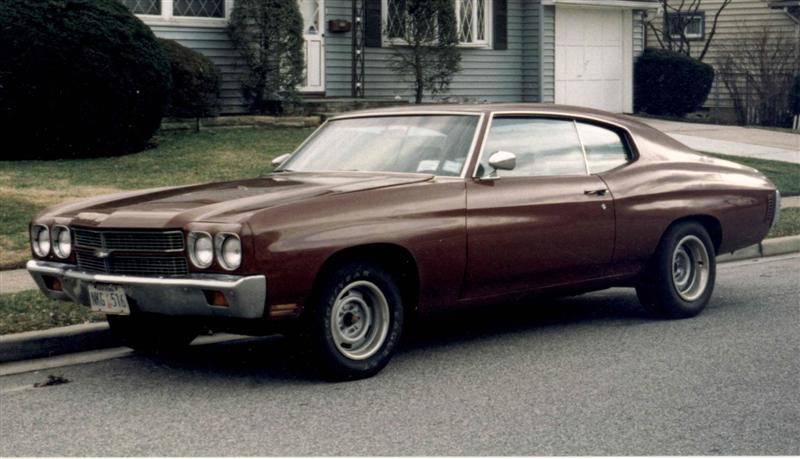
(397, 260)
(711, 224)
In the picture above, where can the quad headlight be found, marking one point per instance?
(201, 249)
(229, 250)
(62, 241)
(40, 240)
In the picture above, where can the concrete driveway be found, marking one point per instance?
(732, 140)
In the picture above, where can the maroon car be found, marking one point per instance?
(382, 214)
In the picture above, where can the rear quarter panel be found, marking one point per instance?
(670, 182)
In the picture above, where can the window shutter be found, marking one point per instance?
(500, 32)
(373, 24)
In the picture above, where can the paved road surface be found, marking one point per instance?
(585, 375)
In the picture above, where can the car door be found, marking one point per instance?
(545, 223)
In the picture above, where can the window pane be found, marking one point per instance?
(143, 6)
(465, 16)
(694, 28)
(543, 147)
(605, 150)
(480, 25)
(199, 8)
(426, 144)
(395, 27)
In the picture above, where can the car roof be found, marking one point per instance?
(501, 108)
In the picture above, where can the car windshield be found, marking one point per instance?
(430, 144)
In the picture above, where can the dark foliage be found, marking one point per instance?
(427, 51)
(794, 95)
(269, 37)
(195, 82)
(78, 78)
(670, 83)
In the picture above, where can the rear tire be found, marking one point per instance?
(153, 334)
(356, 323)
(679, 280)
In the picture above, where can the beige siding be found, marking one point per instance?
(738, 18)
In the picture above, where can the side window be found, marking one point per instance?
(605, 149)
(544, 147)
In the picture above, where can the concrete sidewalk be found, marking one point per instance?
(732, 140)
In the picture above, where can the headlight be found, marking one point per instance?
(40, 240)
(229, 250)
(201, 249)
(62, 241)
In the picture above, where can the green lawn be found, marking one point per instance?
(31, 310)
(786, 176)
(26, 187)
(788, 223)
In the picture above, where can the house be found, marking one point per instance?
(577, 52)
(737, 20)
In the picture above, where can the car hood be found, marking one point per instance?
(225, 202)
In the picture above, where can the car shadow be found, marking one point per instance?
(276, 358)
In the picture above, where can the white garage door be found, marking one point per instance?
(594, 64)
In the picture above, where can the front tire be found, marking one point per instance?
(357, 321)
(151, 334)
(679, 280)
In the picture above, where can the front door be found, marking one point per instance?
(313, 12)
(545, 223)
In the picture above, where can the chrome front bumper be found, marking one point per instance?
(246, 295)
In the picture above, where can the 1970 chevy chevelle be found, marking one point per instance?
(385, 213)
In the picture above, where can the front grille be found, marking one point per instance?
(133, 265)
(129, 241)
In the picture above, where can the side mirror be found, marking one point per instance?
(280, 159)
(502, 160)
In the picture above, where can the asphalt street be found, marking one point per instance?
(583, 375)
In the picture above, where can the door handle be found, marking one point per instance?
(600, 192)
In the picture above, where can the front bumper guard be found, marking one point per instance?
(246, 295)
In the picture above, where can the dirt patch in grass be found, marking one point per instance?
(31, 310)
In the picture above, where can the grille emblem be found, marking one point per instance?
(100, 253)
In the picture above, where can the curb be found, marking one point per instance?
(55, 341)
(240, 121)
(87, 337)
(765, 248)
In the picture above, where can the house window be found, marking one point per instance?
(693, 25)
(471, 16)
(179, 10)
(150, 7)
(472, 20)
(199, 8)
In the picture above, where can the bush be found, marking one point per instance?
(195, 82)
(268, 34)
(794, 95)
(78, 78)
(670, 83)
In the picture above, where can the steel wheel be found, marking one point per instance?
(359, 320)
(690, 268)
(679, 279)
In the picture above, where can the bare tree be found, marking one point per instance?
(757, 70)
(670, 30)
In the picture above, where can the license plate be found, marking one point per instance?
(109, 299)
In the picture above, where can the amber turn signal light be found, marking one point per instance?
(216, 298)
(52, 283)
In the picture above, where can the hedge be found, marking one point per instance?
(670, 83)
(79, 78)
(195, 82)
